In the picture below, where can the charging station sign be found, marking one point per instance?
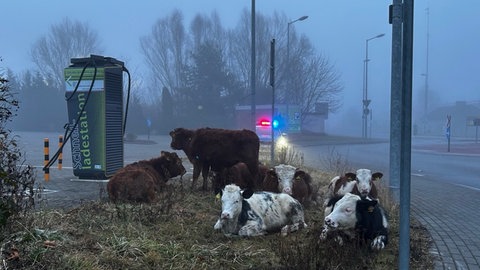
(86, 111)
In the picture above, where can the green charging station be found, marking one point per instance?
(94, 94)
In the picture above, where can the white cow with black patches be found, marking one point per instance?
(357, 217)
(246, 213)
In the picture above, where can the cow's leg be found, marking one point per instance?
(292, 228)
(251, 228)
(298, 222)
(205, 171)
(324, 233)
(379, 242)
(196, 174)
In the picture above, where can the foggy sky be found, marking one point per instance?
(338, 29)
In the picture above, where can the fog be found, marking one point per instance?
(337, 29)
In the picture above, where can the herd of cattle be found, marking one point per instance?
(257, 199)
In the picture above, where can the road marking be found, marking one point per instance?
(52, 167)
(418, 174)
(89, 180)
(48, 191)
(469, 187)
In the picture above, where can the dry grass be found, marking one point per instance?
(177, 233)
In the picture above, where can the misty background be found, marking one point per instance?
(207, 47)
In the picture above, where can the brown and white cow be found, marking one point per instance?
(290, 180)
(216, 149)
(359, 183)
(246, 213)
(357, 217)
(139, 181)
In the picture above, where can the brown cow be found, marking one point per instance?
(139, 181)
(217, 149)
(181, 140)
(240, 175)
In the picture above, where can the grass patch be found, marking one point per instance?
(177, 233)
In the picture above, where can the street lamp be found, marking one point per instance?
(366, 101)
(288, 96)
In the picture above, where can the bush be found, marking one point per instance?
(16, 179)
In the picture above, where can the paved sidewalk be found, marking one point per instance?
(452, 220)
(452, 217)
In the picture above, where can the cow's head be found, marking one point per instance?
(364, 178)
(173, 164)
(181, 137)
(285, 176)
(343, 215)
(232, 201)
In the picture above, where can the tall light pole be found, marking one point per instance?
(252, 71)
(425, 109)
(366, 101)
(288, 96)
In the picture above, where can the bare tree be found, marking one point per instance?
(165, 51)
(240, 46)
(313, 77)
(51, 53)
(205, 29)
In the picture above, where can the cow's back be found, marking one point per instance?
(223, 148)
(276, 209)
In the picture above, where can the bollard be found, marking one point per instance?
(45, 159)
(60, 155)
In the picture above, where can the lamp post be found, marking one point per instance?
(366, 101)
(288, 96)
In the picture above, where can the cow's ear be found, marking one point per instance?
(218, 193)
(367, 204)
(247, 193)
(377, 176)
(298, 173)
(350, 176)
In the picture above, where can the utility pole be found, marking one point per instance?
(401, 18)
(366, 101)
(252, 70)
(272, 84)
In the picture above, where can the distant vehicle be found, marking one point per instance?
(285, 120)
(263, 129)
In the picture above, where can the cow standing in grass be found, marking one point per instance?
(246, 213)
(139, 181)
(216, 149)
(356, 217)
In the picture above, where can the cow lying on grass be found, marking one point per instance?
(359, 183)
(356, 217)
(216, 149)
(139, 181)
(288, 179)
(246, 213)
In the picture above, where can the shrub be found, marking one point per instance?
(16, 179)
